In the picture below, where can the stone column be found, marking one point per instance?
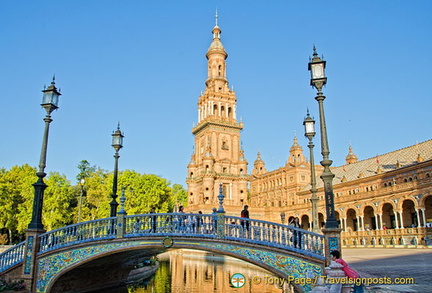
(380, 222)
(358, 223)
(377, 222)
(220, 230)
(423, 217)
(418, 218)
(332, 241)
(396, 219)
(343, 224)
(362, 223)
(401, 220)
(121, 225)
(29, 272)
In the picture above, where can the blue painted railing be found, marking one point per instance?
(12, 256)
(82, 232)
(233, 228)
(216, 226)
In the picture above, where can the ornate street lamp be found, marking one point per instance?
(50, 101)
(318, 80)
(117, 144)
(309, 124)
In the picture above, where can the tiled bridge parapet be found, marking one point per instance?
(268, 245)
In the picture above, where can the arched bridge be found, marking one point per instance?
(281, 249)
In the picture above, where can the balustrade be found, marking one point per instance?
(12, 256)
(176, 224)
(82, 232)
(390, 237)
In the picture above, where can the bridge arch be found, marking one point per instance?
(59, 262)
(286, 251)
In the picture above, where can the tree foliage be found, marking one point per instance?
(85, 169)
(61, 204)
(16, 194)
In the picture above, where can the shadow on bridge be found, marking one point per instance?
(283, 250)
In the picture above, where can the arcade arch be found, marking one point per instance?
(369, 218)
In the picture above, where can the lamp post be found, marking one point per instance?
(331, 230)
(50, 101)
(82, 182)
(309, 124)
(318, 80)
(117, 144)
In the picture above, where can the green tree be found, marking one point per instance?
(145, 191)
(57, 209)
(16, 198)
(95, 204)
(179, 196)
(85, 170)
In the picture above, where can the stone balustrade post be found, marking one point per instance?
(32, 245)
(332, 239)
(121, 225)
(220, 229)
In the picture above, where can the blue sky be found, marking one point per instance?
(143, 63)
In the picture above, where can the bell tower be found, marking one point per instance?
(218, 156)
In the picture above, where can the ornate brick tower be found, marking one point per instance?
(218, 156)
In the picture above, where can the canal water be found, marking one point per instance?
(190, 271)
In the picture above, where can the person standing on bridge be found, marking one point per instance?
(245, 214)
(297, 235)
(153, 219)
(214, 216)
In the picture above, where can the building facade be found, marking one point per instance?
(385, 200)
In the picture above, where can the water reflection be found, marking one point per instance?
(197, 272)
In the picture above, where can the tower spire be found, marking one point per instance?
(216, 17)
(219, 156)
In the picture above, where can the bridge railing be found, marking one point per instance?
(231, 228)
(77, 233)
(275, 235)
(217, 226)
(12, 256)
(197, 225)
